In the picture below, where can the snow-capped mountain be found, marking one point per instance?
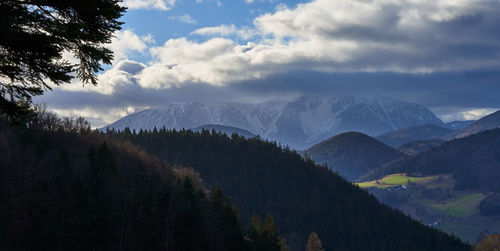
(299, 123)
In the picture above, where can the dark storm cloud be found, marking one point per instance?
(461, 90)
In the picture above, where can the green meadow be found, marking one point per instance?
(397, 179)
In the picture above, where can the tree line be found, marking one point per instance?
(263, 177)
(78, 190)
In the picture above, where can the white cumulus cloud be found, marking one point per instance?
(244, 33)
(125, 42)
(149, 4)
(395, 36)
(404, 36)
(183, 19)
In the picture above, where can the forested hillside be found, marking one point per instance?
(353, 154)
(415, 133)
(70, 189)
(473, 160)
(302, 196)
(415, 147)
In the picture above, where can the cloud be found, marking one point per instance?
(122, 74)
(450, 95)
(252, 1)
(440, 53)
(183, 19)
(467, 114)
(222, 30)
(400, 36)
(149, 4)
(126, 42)
(244, 33)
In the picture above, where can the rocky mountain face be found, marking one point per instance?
(488, 122)
(353, 154)
(299, 123)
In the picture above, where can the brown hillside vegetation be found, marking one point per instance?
(490, 243)
(65, 190)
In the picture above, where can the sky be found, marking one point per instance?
(443, 54)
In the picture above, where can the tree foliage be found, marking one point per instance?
(490, 243)
(473, 161)
(37, 34)
(63, 190)
(314, 243)
(264, 235)
(262, 177)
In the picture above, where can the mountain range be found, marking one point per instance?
(488, 122)
(299, 123)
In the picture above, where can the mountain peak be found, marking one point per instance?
(299, 123)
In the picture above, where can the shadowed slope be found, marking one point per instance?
(414, 133)
(303, 197)
(491, 121)
(352, 154)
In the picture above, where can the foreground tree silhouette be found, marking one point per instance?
(34, 35)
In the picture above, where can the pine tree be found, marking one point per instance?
(35, 35)
(264, 235)
(254, 230)
(189, 232)
(314, 243)
(229, 232)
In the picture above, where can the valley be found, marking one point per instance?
(249, 125)
(421, 169)
(434, 201)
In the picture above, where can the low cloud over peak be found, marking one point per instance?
(440, 53)
(337, 36)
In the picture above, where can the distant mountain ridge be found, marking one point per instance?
(459, 124)
(414, 133)
(353, 154)
(299, 123)
(490, 121)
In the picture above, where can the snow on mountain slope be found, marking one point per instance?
(299, 123)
